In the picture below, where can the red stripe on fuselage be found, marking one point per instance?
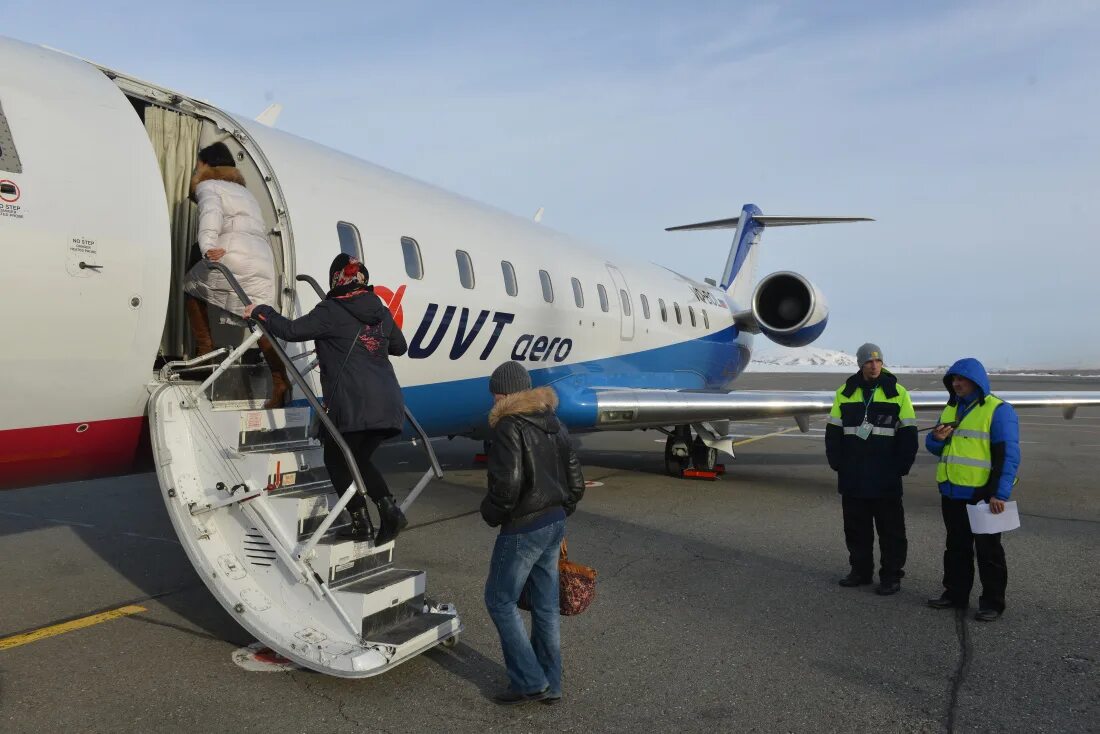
(47, 454)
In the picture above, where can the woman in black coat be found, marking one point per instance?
(355, 336)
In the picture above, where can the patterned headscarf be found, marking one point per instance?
(347, 277)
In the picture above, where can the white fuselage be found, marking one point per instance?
(82, 340)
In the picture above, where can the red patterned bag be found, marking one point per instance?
(577, 582)
(576, 586)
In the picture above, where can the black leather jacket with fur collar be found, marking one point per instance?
(532, 465)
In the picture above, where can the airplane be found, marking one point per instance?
(94, 221)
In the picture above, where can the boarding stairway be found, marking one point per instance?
(248, 494)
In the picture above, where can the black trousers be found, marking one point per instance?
(958, 559)
(862, 515)
(363, 445)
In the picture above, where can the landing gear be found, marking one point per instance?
(702, 456)
(678, 451)
(676, 457)
(690, 457)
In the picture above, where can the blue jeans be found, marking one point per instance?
(528, 559)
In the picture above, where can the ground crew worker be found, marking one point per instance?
(871, 442)
(978, 442)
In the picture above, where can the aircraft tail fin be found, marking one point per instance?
(740, 270)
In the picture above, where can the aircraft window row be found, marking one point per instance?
(578, 293)
(414, 264)
(510, 284)
(350, 244)
(547, 286)
(465, 269)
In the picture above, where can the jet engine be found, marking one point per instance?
(788, 309)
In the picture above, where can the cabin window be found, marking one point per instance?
(578, 293)
(706, 319)
(9, 158)
(676, 308)
(465, 269)
(604, 304)
(547, 286)
(664, 311)
(350, 243)
(645, 305)
(510, 284)
(414, 264)
(691, 315)
(625, 300)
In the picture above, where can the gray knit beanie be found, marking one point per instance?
(868, 352)
(509, 378)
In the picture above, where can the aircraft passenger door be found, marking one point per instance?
(625, 301)
(84, 283)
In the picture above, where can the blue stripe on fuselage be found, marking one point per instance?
(711, 362)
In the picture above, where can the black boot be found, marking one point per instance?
(391, 520)
(360, 528)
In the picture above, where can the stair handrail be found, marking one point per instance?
(357, 478)
(436, 468)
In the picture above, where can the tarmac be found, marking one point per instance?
(717, 608)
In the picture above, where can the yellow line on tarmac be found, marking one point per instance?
(60, 629)
(744, 441)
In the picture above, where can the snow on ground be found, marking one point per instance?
(773, 358)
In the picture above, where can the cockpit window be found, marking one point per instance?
(9, 158)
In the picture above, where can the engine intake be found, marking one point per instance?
(789, 309)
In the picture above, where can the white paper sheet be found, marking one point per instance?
(984, 522)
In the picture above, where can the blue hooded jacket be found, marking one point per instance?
(1004, 437)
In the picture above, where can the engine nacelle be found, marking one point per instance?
(789, 309)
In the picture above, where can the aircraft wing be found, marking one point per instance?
(641, 408)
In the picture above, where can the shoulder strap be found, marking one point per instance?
(354, 341)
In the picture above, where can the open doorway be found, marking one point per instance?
(176, 137)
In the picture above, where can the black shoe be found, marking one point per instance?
(511, 698)
(392, 520)
(360, 528)
(942, 602)
(987, 615)
(552, 700)
(888, 588)
(855, 579)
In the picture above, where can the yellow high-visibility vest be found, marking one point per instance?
(967, 459)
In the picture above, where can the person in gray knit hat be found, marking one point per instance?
(509, 378)
(871, 442)
(535, 481)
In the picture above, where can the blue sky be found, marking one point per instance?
(971, 132)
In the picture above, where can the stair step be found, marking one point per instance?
(382, 591)
(345, 557)
(301, 512)
(410, 629)
(281, 429)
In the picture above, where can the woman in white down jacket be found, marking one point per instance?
(232, 232)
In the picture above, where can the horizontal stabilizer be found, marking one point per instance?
(767, 221)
